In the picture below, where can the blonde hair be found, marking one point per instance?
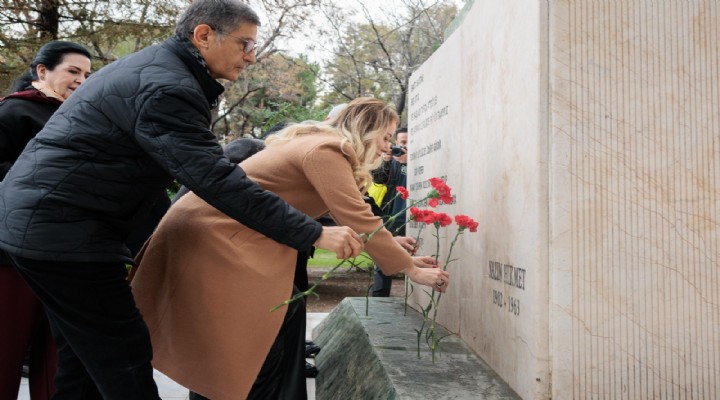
(359, 125)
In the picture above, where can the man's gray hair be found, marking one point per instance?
(224, 16)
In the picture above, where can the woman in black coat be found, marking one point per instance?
(56, 71)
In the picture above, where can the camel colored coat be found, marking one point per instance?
(206, 283)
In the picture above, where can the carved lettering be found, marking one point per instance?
(425, 150)
(511, 276)
(519, 278)
(498, 298)
(495, 270)
(514, 306)
(417, 82)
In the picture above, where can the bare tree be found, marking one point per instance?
(377, 55)
(109, 28)
(266, 85)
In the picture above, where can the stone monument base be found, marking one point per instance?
(375, 357)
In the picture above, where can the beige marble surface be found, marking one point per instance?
(493, 154)
(585, 138)
(635, 307)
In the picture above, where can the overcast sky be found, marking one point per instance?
(377, 8)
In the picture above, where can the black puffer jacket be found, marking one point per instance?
(91, 175)
(22, 115)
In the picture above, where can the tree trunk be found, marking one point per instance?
(48, 21)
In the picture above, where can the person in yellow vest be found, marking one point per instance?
(391, 174)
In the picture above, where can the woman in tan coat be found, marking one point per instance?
(206, 283)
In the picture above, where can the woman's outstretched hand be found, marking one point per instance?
(341, 240)
(430, 276)
(425, 262)
(407, 242)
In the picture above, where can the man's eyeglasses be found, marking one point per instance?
(249, 45)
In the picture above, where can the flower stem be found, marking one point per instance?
(312, 288)
(433, 340)
(407, 284)
(365, 237)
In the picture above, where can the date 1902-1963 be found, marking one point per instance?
(512, 303)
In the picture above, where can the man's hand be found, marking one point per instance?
(407, 242)
(341, 240)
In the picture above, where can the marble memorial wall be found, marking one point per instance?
(584, 136)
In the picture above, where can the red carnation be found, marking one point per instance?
(404, 194)
(464, 222)
(435, 182)
(415, 214)
(429, 217)
(442, 190)
(441, 219)
(424, 216)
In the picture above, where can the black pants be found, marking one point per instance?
(381, 284)
(282, 375)
(104, 349)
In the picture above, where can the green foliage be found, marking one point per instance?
(172, 189)
(109, 29)
(278, 89)
(324, 258)
(276, 113)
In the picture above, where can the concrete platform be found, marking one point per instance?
(375, 357)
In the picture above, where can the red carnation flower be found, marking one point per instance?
(404, 194)
(441, 219)
(441, 191)
(436, 182)
(424, 216)
(418, 215)
(465, 222)
(415, 214)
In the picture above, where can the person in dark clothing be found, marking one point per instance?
(94, 171)
(140, 234)
(392, 173)
(236, 151)
(57, 69)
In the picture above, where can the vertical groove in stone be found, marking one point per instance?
(614, 190)
(573, 98)
(645, 271)
(668, 175)
(644, 99)
(675, 377)
(713, 60)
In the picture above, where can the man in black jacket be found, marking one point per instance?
(96, 169)
(392, 173)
